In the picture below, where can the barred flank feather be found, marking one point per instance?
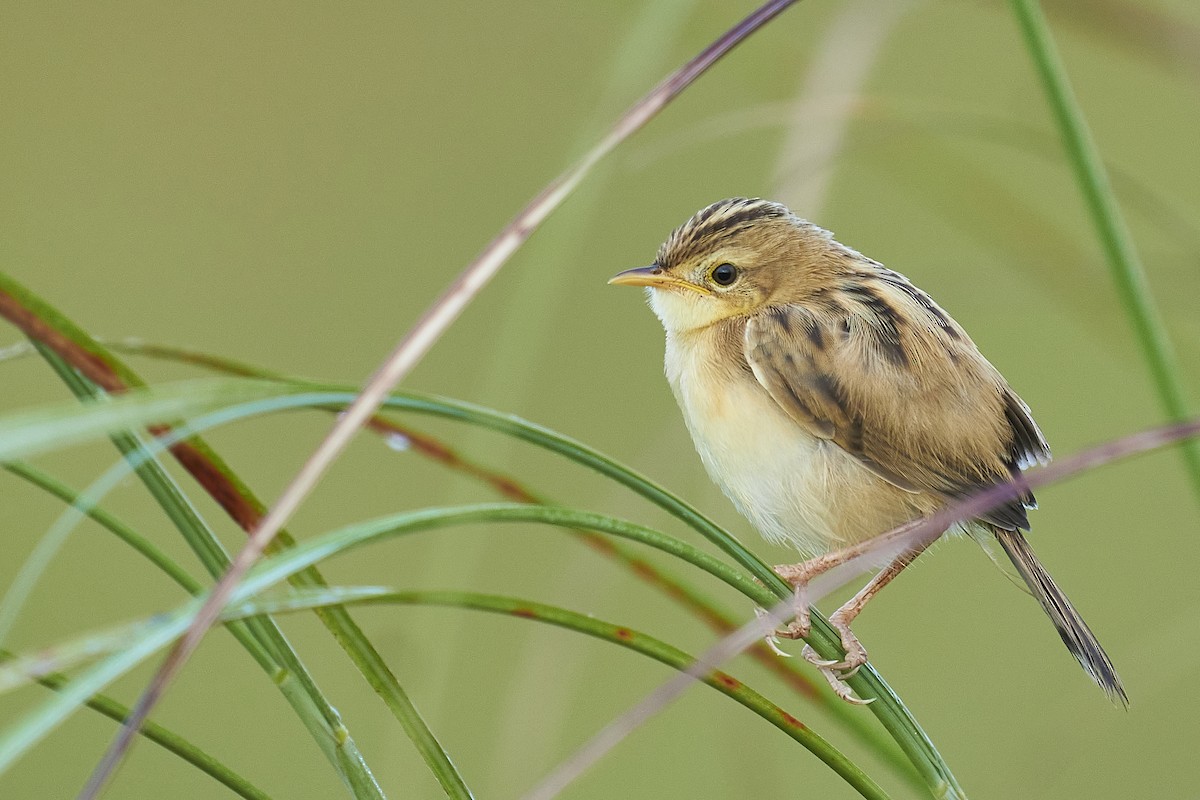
(1075, 633)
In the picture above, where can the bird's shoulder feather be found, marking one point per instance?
(886, 374)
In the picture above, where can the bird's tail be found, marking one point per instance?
(1075, 633)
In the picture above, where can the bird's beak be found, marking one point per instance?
(654, 277)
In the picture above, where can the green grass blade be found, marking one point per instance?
(21, 668)
(47, 326)
(1121, 254)
(896, 717)
(126, 646)
(56, 427)
(645, 645)
(270, 647)
(125, 533)
(130, 645)
(36, 724)
(887, 706)
(789, 671)
(17, 670)
(276, 568)
(166, 738)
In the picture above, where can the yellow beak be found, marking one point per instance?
(654, 277)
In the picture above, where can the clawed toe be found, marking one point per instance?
(836, 678)
(838, 672)
(843, 691)
(771, 638)
(794, 630)
(847, 674)
(811, 657)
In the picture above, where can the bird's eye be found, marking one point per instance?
(724, 275)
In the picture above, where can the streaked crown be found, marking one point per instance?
(720, 222)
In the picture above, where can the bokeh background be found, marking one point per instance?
(292, 183)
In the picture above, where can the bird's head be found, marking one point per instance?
(732, 259)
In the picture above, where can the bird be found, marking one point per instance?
(832, 400)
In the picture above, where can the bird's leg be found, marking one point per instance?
(799, 575)
(856, 654)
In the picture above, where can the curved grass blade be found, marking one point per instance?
(139, 543)
(55, 427)
(36, 724)
(787, 670)
(127, 646)
(165, 738)
(892, 712)
(21, 668)
(261, 637)
(867, 684)
(50, 329)
(275, 568)
(17, 669)
(649, 646)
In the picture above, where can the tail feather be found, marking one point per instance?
(1075, 633)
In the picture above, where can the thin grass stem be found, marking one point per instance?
(139, 543)
(164, 737)
(1120, 252)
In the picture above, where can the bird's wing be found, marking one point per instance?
(901, 388)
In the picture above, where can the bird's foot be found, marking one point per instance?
(836, 679)
(836, 672)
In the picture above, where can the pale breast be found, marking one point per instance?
(794, 488)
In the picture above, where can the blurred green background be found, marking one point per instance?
(292, 184)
